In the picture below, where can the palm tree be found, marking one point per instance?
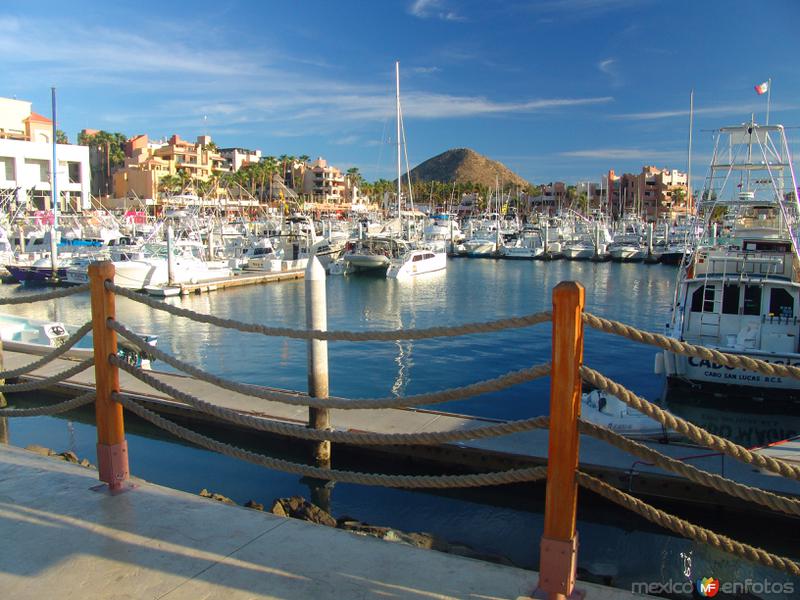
(168, 184)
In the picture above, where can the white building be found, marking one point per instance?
(238, 157)
(25, 173)
(26, 157)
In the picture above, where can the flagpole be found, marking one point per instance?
(769, 92)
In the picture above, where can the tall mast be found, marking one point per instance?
(54, 166)
(54, 194)
(399, 166)
(689, 164)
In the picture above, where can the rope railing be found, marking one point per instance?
(385, 480)
(349, 336)
(297, 399)
(775, 502)
(685, 528)
(568, 318)
(53, 409)
(48, 381)
(693, 432)
(50, 357)
(363, 438)
(62, 293)
(739, 361)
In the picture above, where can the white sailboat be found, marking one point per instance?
(415, 261)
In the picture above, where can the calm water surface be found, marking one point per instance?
(614, 543)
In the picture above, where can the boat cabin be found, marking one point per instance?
(742, 314)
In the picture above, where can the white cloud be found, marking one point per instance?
(643, 155)
(606, 66)
(425, 70)
(176, 80)
(433, 9)
(609, 67)
(743, 110)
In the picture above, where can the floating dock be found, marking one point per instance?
(240, 279)
(154, 543)
(529, 448)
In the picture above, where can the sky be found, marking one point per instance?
(555, 89)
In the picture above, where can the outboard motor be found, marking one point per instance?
(54, 334)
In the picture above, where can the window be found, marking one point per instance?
(703, 299)
(7, 168)
(708, 299)
(74, 170)
(781, 303)
(730, 300)
(752, 300)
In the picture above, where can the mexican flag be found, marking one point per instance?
(762, 88)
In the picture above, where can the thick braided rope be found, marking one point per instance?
(47, 358)
(730, 487)
(350, 336)
(48, 381)
(363, 438)
(53, 409)
(693, 432)
(448, 395)
(687, 529)
(739, 361)
(45, 295)
(394, 481)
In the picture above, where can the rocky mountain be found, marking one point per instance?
(462, 165)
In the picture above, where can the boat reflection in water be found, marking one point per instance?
(743, 424)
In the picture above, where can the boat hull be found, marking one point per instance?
(366, 262)
(28, 274)
(705, 375)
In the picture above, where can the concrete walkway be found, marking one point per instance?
(62, 540)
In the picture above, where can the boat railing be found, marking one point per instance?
(563, 477)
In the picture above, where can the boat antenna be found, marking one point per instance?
(399, 166)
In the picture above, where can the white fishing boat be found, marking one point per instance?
(627, 252)
(417, 262)
(739, 292)
(372, 254)
(529, 245)
(482, 244)
(149, 267)
(39, 337)
(609, 411)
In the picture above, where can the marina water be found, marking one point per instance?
(614, 543)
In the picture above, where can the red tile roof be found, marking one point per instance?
(37, 117)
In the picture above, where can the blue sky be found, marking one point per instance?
(555, 89)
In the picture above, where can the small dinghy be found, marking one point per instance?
(609, 411)
(32, 336)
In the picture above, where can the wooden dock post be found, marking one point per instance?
(317, 318)
(112, 449)
(559, 544)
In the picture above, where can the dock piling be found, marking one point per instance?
(559, 544)
(317, 319)
(112, 449)
(3, 403)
